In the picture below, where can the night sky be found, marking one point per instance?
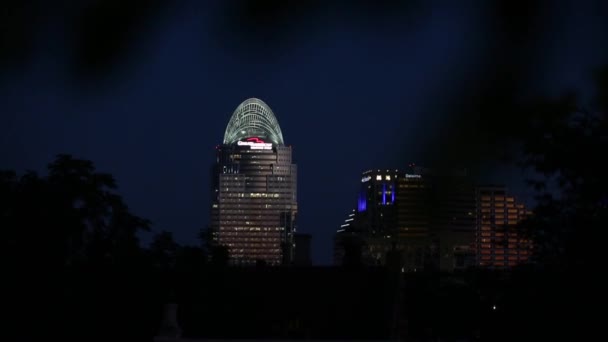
(353, 87)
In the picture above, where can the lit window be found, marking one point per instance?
(387, 177)
(378, 177)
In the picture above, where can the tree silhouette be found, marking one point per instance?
(93, 220)
(566, 144)
(70, 252)
(163, 250)
(72, 216)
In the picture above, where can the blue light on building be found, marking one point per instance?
(383, 193)
(362, 205)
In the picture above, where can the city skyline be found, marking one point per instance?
(380, 93)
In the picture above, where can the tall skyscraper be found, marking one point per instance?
(254, 188)
(454, 218)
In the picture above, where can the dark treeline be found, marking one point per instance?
(75, 270)
(71, 259)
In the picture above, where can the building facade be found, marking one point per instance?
(302, 255)
(392, 214)
(499, 242)
(254, 204)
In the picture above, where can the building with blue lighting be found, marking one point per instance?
(424, 217)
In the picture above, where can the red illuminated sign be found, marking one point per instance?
(255, 143)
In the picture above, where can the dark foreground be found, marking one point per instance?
(297, 303)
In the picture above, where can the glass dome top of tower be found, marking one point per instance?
(253, 118)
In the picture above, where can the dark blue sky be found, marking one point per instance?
(353, 88)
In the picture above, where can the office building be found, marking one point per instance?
(500, 244)
(302, 249)
(254, 204)
(392, 214)
(345, 236)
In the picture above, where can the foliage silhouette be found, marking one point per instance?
(71, 255)
(565, 144)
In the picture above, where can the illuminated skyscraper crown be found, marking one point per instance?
(253, 118)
